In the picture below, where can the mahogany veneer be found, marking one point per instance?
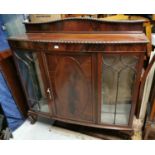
(82, 71)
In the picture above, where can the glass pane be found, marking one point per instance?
(31, 76)
(118, 74)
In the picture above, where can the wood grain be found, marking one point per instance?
(72, 52)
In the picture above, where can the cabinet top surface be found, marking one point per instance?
(83, 37)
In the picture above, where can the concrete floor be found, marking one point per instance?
(43, 130)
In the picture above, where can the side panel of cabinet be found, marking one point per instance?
(72, 85)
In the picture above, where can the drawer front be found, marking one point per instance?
(76, 47)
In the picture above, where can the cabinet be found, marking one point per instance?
(82, 71)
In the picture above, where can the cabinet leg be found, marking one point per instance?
(32, 118)
(147, 131)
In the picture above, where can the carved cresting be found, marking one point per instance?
(85, 24)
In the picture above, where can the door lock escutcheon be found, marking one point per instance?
(49, 93)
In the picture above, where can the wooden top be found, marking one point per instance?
(82, 38)
(85, 31)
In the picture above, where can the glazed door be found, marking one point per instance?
(119, 83)
(71, 78)
(30, 68)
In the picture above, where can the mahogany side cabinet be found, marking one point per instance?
(82, 71)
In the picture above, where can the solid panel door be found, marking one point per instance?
(71, 81)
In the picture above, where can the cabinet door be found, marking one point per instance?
(31, 72)
(118, 88)
(72, 85)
